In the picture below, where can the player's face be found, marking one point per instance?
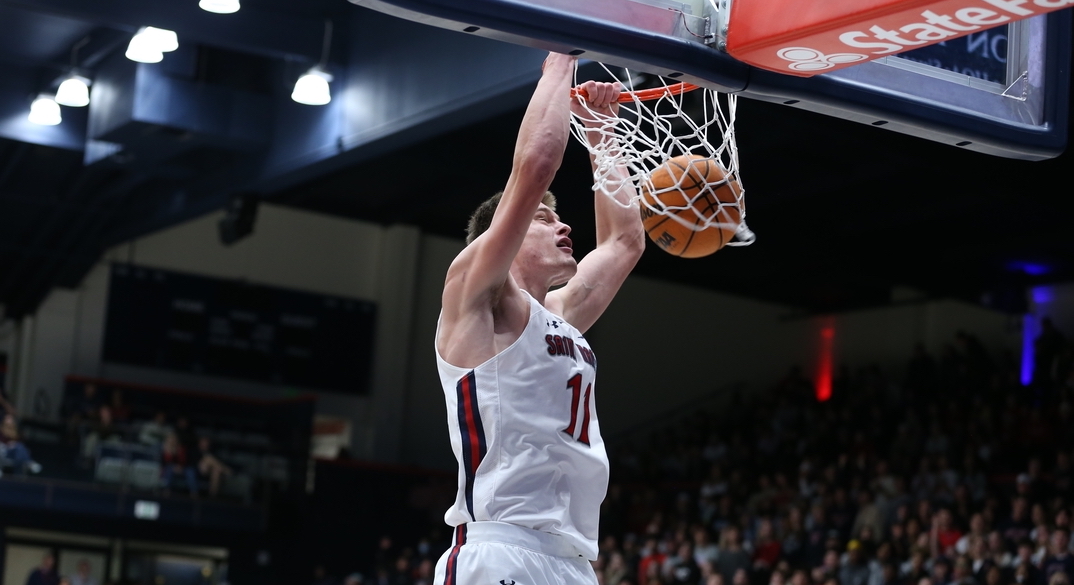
(547, 246)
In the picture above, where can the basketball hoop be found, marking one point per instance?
(658, 124)
(647, 95)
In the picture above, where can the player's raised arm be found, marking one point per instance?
(620, 237)
(481, 270)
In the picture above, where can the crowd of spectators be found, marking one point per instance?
(47, 574)
(183, 454)
(951, 473)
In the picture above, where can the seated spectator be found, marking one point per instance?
(998, 552)
(1023, 564)
(83, 409)
(186, 435)
(1059, 560)
(705, 551)
(977, 530)
(82, 576)
(1018, 525)
(944, 535)
(120, 411)
(829, 568)
(680, 568)
(155, 431)
(963, 572)
(732, 556)
(45, 574)
(208, 465)
(855, 571)
(173, 459)
(980, 559)
(616, 569)
(766, 549)
(103, 431)
(941, 571)
(13, 452)
(994, 576)
(915, 569)
(652, 560)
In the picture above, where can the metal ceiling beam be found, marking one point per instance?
(249, 31)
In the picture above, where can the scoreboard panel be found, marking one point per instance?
(195, 324)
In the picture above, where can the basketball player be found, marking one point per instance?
(516, 370)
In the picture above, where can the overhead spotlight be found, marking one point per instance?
(142, 50)
(164, 40)
(312, 88)
(45, 111)
(219, 6)
(150, 44)
(73, 92)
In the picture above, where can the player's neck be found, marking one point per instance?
(531, 283)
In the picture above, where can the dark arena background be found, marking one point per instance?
(877, 392)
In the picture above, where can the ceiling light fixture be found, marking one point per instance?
(150, 44)
(73, 92)
(165, 40)
(220, 6)
(312, 88)
(44, 111)
(142, 50)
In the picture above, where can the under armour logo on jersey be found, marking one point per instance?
(504, 582)
(552, 323)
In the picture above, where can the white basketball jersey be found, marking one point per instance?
(524, 429)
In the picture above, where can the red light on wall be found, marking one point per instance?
(824, 364)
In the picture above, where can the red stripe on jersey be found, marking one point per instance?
(474, 438)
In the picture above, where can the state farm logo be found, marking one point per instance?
(940, 24)
(805, 59)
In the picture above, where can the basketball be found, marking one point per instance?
(684, 195)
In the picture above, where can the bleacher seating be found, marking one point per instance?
(261, 441)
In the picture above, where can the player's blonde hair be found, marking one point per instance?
(482, 216)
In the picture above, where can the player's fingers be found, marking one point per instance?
(602, 94)
(584, 92)
(592, 91)
(617, 90)
(613, 92)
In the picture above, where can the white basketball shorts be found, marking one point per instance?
(496, 553)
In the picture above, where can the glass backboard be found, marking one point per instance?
(1003, 91)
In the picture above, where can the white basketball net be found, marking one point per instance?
(647, 134)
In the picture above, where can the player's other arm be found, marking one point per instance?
(620, 237)
(481, 270)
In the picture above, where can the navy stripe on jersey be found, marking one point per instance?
(473, 434)
(453, 559)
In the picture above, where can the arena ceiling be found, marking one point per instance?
(844, 213)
